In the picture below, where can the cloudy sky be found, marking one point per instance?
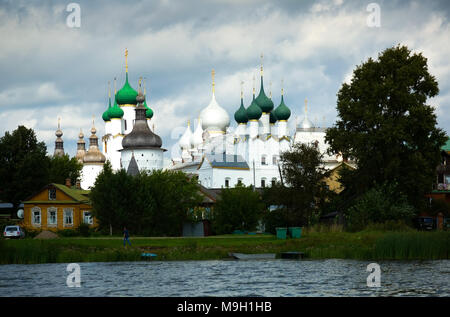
(50, 70)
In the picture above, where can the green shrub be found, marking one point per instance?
(84, 230)
(68, 233)
(379, 205)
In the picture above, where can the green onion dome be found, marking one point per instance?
(254, 112)
(282, 112)
(105, 115)
(273, 117)
(127, 95)
(115, 112)
(263, 101)
(148, 112)
(241, 114)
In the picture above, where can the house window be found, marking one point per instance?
(125, 122)
(227, 182)
(52, 194)
(68, 217)
(263, 160)
(52, 214)
(263, 182)
(87, 217)
(36, 216)
(239, 181)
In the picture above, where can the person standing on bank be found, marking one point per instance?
(126, 236)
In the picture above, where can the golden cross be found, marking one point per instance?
(282, 87)
(262, 58)
(109, 89)
(306, 105)
(126, 60)
(253, 83)
(213, 83)
(242, 89)
(115, 90)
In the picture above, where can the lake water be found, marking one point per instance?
(229, 278)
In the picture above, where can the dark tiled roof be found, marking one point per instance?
(133, 168)
(227, 161)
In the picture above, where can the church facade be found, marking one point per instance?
(250, 154)
(217, 154)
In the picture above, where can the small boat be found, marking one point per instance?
(148, 256)
(247, 256)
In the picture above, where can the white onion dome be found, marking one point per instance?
(197, 136)
(306, 123)
(214, 117)
(185, 140)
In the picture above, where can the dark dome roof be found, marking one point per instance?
(141, 136)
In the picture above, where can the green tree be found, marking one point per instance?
(306, 190)
(24, 165)
(152, 204)
(386, 126)
(63, 167)
(380, 204)
(237, 208)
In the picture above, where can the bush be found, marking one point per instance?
(379, 205)
(67, 233)
(84, 230)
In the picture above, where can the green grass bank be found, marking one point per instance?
(366, 245)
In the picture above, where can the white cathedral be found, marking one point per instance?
(219, 155)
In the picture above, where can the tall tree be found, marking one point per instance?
(63, 167)
(304, 174)
(24, 165)
(237, 208)
(386, 125)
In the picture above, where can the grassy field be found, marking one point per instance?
(367, 245)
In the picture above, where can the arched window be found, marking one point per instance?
(263, 160)
(263, 182)
(274, 181)
(227, 182)
(239, 182)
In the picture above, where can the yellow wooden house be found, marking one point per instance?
(333, 179)
(58, 207)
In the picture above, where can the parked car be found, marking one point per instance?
(13, 232)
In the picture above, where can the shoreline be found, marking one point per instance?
(387, 245)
